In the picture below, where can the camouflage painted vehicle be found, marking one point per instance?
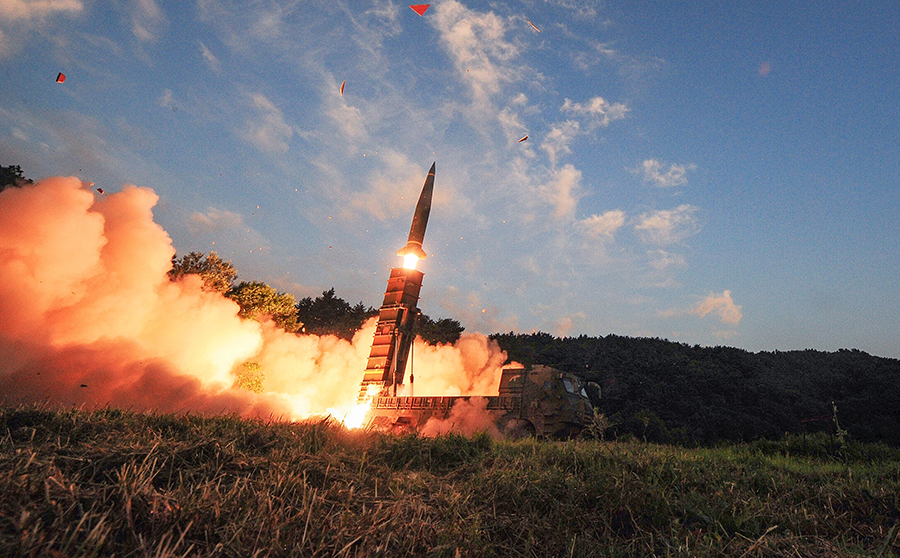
(538, 401)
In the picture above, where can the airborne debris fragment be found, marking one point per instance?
(420, 8)
(533, 25)
(60, 77)
(523, 139)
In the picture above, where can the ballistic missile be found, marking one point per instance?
(420, 220)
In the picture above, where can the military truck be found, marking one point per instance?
(536, 401)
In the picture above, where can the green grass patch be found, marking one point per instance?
(111, 482)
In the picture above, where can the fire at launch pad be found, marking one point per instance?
(539, 400)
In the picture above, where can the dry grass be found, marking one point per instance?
(110, 483)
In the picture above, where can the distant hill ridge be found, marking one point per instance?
(677, 393)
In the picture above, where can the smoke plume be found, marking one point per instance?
(91, 319)
(467, 417)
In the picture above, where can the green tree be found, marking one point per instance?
(217, 275)
(12, 176)
(257, 299)
(332, 315)
(444, 330)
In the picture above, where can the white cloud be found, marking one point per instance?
(720, 304)
(676, 175)
(28, 9)
(146, 19)
(477, 45)
(512, 125)
(167, 99)
(557, 141)
(563, 191)
(599, 111)
(215, 220)
(564, 325)
(210, 58)
(661, 260)
(228, 228)
(24, 19)
(603, 226)
(666, 227)
(267, 130)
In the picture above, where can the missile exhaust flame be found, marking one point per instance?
(410, 261)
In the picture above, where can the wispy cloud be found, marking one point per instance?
(668, 226)
(146, 20)
(227, 226)
(33, 9)
(722, 305)
(210, 58)
(557, 140)
(167, 99)
(19, 18)
(662, 260)
(563, 191)
(267, 129)
(676, 175)
(603, 226)
(595, 113)
(598, 110)
(391, 190)
(477, 44)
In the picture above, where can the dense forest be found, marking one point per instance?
(677, 393)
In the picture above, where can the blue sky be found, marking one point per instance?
(711, 173)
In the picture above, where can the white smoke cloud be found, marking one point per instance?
(467, 417)
(90, 318)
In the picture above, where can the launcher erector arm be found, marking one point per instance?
(394, 333)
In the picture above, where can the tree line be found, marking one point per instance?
(677, 393)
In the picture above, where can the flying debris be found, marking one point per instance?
(523, 139)
(342, 87)
(60, 77)
(533, 25)
(420, 8)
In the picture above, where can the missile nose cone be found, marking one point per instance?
(420, 219)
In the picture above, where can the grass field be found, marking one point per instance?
(116, 483)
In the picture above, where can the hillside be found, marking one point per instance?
(673, 392)
(115, 483)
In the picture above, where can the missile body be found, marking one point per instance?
(420, 220)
